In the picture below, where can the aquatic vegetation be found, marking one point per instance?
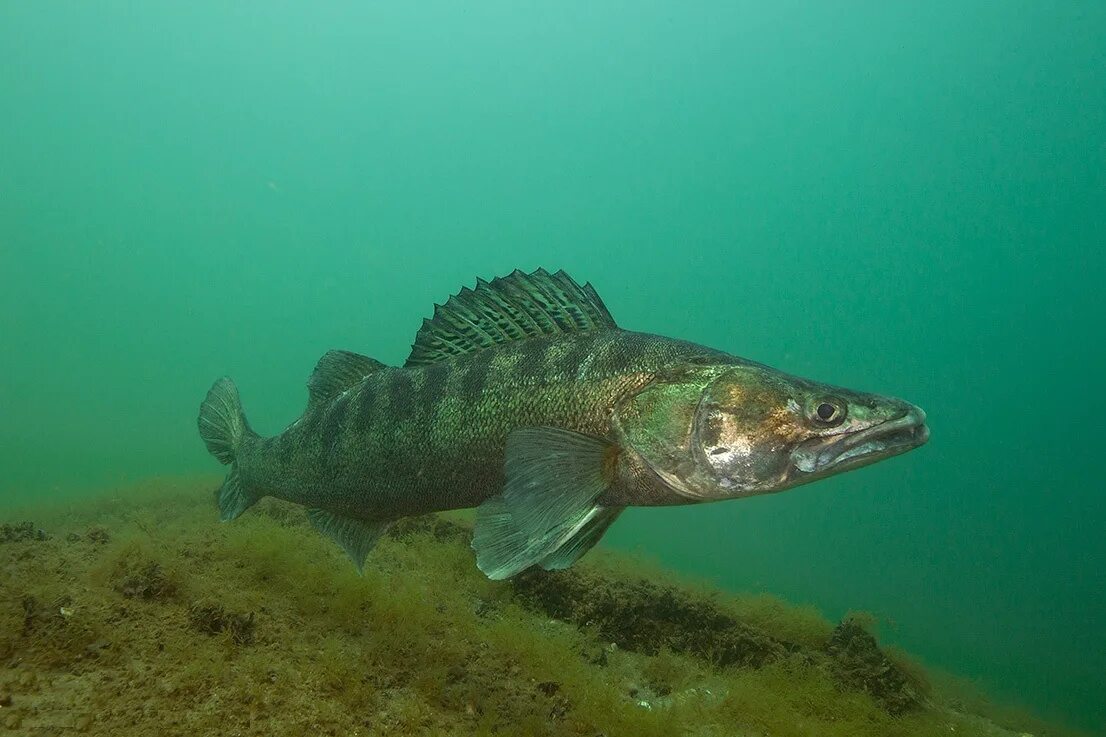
(136, 615)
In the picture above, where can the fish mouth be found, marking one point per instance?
(843, 452)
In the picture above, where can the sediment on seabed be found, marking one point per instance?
(137, 613)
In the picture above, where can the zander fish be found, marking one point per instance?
(523, 398)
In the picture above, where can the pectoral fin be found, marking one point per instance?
(584, 540)
(548, 511)
(357, 537)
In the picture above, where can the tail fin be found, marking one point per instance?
(223, 427)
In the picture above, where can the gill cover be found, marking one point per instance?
(748, 423)
(659, 425)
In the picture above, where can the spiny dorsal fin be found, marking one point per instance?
(508, 308)
(336, 372)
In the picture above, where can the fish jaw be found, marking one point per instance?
(826, 456)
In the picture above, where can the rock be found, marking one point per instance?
(428, 524)
(856, 662)
(20, 532)
(644, 617)
(147, 582)
(211, 619)
(98, 535)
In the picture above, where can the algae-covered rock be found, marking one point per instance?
(436, 527)
(858, 663)
(145, 580)
(97, 534)
(20, 532)
(644, 617)
(213, 619)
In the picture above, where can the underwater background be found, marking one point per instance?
(907, 199)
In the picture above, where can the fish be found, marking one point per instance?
(521, 397)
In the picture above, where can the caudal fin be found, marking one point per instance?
(223, 428)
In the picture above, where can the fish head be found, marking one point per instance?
(725, 431)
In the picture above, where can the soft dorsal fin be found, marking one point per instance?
(508, 308)
(336, 372)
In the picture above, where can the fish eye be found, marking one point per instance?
(829, 412)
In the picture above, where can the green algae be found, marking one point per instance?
(138, 614)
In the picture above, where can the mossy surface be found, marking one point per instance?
(139, 614)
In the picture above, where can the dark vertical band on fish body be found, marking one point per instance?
(474, 374)
(400, 388)
(435, 378)
(333, 422)
(368, 397)
(570, 363)
(531, 362)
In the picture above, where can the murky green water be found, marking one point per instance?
(906, 200)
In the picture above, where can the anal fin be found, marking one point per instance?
(232, 496)
(357, 537)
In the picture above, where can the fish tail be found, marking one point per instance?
(223, 428)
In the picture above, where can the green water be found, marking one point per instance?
(910, 200)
